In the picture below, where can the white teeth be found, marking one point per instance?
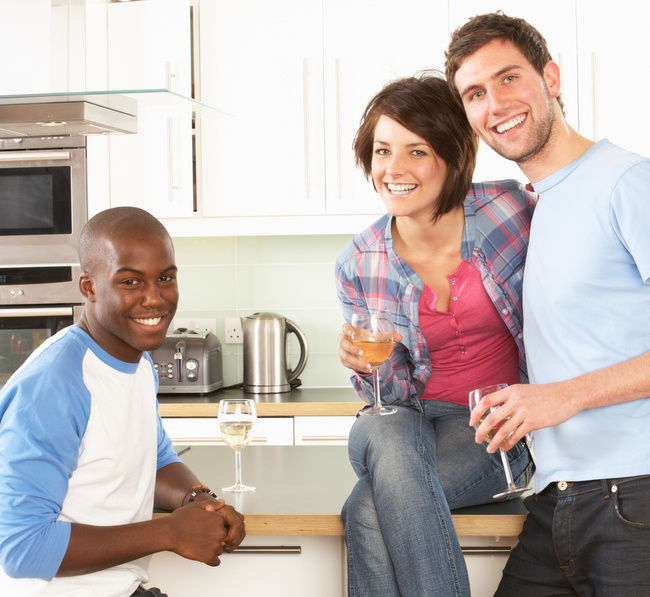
(152, 321)
(506, 126)
(400, 188)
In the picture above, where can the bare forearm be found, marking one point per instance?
(624, 382)
(93, 548)
(172, 484)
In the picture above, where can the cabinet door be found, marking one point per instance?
(149, 48)
(367, 44)
(613, 73)
(322, 431)
(556, 21)
(261, 62)
(269, 431)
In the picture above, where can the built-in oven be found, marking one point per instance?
(42, 212)
(24, 329)
(42, 199)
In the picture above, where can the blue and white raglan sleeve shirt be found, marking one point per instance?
(81, 441)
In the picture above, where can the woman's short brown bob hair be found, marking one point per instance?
(426, 106)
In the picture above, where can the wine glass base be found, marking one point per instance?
(378, 410)
(238, 488)
(511, 491)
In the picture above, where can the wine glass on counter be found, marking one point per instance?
(374, 335)
(237, 418)
(474, 398)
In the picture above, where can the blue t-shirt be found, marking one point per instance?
(587, 307)
(81, 441)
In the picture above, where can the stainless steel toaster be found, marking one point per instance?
(189, 363)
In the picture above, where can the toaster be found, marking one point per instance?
(188, 363)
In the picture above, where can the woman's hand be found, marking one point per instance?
(350, 354)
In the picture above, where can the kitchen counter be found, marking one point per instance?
(301, 490)
(317, 402)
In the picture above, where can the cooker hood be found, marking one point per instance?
(73, 114)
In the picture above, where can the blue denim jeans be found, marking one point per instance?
(413, 467)
(590, 539)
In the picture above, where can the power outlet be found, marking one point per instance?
(233, 331)
(195, 325)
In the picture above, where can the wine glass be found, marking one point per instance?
(374, 335)
(236, 419)
(474, 398)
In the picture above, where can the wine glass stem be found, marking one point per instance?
(375, 380)
(506, 467)
(237, 467)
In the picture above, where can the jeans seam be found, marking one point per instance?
(439, 514)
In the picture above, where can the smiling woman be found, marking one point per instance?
(128, 280)
(445, 262)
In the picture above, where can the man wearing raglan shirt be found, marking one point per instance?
(84, 457)
(586, 324)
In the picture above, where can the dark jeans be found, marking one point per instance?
(590, 539)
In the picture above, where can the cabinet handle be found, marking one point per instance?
(594, 96)
(339, 153)
(288, 549)
(212, 440)
(172, 162)
(324, 438)
(486, 550)
(307, 138)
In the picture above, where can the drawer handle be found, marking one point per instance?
(212, 440)
(324, 438)
(486, 550)
(288, 549)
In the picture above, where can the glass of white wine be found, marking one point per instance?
(237, 417)
(374, 335)
(474, 398)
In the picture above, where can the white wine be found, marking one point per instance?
(489, 436)
(237, 434)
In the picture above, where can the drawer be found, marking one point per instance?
(187, 431)
(315, 431)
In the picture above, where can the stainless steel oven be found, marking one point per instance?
(42, 199)
(24, 329)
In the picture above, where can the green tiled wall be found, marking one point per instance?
(289, 275)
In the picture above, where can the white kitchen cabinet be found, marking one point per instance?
(612, 73)
(281, 566)
(297, 75)
(322, 431)
(204, 431)
(149, 48)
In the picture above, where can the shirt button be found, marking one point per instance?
(454, 298)
(562, 485)
(504, 311)
(453, 281)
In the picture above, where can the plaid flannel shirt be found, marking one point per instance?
(369, 274)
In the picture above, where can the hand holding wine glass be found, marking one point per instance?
(236, 419)
(374, 334)
(474, 398)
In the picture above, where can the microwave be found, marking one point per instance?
(42, 200)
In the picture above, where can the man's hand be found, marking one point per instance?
(519, 410)
(203, 530)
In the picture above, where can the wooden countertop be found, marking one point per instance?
(300, 490)
(316, 402)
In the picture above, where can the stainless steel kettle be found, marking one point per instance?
(266, 363)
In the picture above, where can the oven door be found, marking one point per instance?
(24, 329)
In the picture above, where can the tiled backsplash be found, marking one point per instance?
(289, 275)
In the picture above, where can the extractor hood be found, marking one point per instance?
(73, 114)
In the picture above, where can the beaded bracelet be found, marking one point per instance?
(195, 492)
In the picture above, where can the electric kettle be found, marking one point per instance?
(266, 363)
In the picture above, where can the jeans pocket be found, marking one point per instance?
(631, 499)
